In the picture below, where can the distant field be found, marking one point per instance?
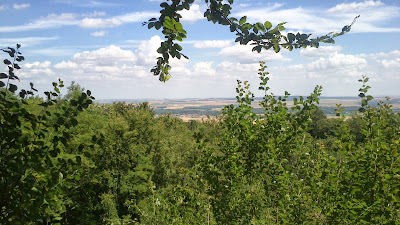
(197, 109)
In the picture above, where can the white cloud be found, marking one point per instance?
(375, 16)
(350, 7)
(391, 63)
(52, 52)
(336, 63)
(66, 65)
(116, 20)
(36, 70)
(99, 23)
(237, 70)
(21, 6)
(244, 54)
(193, 14)
(94, 14)
(212, 44)
(69, 19)
(136, 17)
(2, 7)
(110, 63)
(25, 41)
(115, 63)
(321, 51)
(204, 68)
(338, 74)
(51, 21)
(105, 56)
(98, 33)
(90, 4)
(296, 18)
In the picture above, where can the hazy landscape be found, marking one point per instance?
(200, 108)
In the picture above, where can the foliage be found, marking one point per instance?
(261, 34)
(65, 160)
(31, 170)
(269, 169)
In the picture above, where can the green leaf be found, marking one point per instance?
(291, 37)
(277, 48)
(12, 88)
(78, 159)
(3, 75)
(246, 26)
(242, 20)
(77, 177)
(260, 26)
(267, 25)
(257, 48)
(364, 102)
(7, 62)
(157, 25)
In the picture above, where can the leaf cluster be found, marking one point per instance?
(263, 35)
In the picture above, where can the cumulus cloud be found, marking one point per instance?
(21, 6)
(321, 51)
(113, 62)
(147, 51)
(244, 54)
(38, 71)
(391, 63)
(338, 74)
(110, 63)
(339, 64)
(193, 14)
(212, 44)
(204, 68)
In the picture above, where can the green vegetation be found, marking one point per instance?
(66, 160)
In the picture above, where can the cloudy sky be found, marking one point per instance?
(103, 46)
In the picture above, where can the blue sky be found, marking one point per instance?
(103, 46)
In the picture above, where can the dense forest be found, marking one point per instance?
(67, 160)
